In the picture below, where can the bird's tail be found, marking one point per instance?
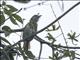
(26, 46)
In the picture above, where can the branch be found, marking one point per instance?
(59, 26)
(43, 42)
(59, 17)
(34, 5)
(51, 45)
(77, 57)
(44, 29)
(40, 51)
(12, 31)
(18, 30)
(25, 8)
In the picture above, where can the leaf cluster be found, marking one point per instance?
(59, 53)
(11, 12)
(7, 52)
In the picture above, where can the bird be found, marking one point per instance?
(29, 29)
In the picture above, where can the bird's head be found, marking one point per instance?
(35, 18)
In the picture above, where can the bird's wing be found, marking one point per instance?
(27, 31)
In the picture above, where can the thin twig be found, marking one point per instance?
(47, 27)
(58, 35)
(18, 30)
(52, 45)
(77, 36)
(12, 31)
(43, 42)
(40, 51)
(50, 23)
(34, 5)
(77, 58)
(25, 8)
(61, 6)
(59, 25)
(5, 53)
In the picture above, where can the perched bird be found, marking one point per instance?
(30, 29)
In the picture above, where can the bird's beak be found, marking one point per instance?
(40, 15)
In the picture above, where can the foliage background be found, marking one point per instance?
(46, 15)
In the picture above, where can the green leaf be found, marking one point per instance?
(73, 55)
(7, 30)
(66, 53)
(72, 37)
(11, 56)
(69, 34)
(50, 57)
(21, 51)
(3, 3)
(12, 9)
(5, 40)
(18, 18)
(50, 37)
(54, 27)
(6, 11)
(13, 20)
(0, 5)
(30, 55)
(2, 18)
(76, 40)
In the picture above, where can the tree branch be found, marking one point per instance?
(51, 45)
(77, 58)
(40, 51)
(46, 28)
(59, 26)
(43, 42)
(12, 31)
(18, 30)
